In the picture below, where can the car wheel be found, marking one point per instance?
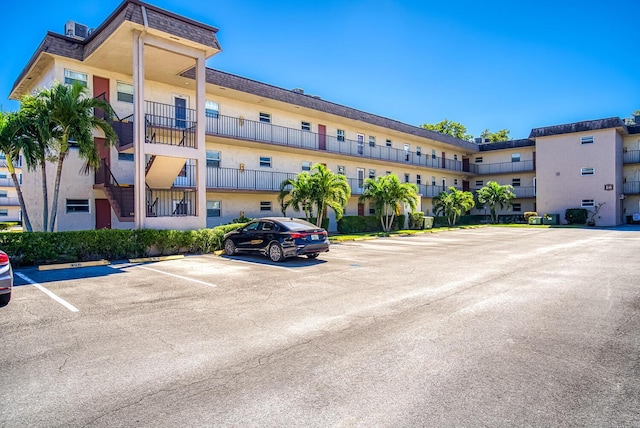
(275, 252)
(313, 256)
(4, 299)
(229, 247)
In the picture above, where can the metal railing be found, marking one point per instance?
(168, 124)
(243, 179)
(170, 202)
(505, 167)
(519, 191)
(9, 201)
(631, 188)
(124, 198)
(631, 156)
(7, 182)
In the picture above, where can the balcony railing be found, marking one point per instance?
(167, 124)
(631, 188)
(8, 182)
(9, 201)
(505, 167)
(519, 191)
(170, 203)
(632, 156)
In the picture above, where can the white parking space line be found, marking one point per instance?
(177, 276)
(48, 293)
(229, 259)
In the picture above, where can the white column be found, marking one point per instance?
(139, 133)
(200, 141)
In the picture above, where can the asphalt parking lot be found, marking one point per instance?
(479, 327)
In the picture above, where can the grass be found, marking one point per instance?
(404, 232)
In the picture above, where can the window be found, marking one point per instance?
(306, 166)
(406, 177)
(516, 207)
(213, 208)
(341, 169)
(372, 141)
(444, 182)
(77, 205)
(372, 208)
(586, 140)
(265, 205)
(3, 174)
(73, 76)
(211, 109)
(340, 134)
(265, 162)
(306, 126)
(125, 157)
(455, 181)
(125, 92)
(418, 179)
(213, 158)
(3, 193)
(388, 142)
(4, 212)
(406, 152)
(515, 182)
(588, 203)
(418, 151)
(265, 117)
(455, 157)
(478, 159)
(433, 153)
(479, 183)
(372, 173)
(433, 181)
(515, 157)
(587, 171)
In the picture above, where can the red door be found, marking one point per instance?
(103, 214)
(360, 209)
(100, 90)
(322, 137)
(444, 160)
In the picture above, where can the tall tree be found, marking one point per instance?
(495, 196)
(494, 137)
(388, 194)
(11, 144)
(453, 204)
(71, 113)
(449, 127)
(329, 190)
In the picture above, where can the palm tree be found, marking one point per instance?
(495, 195)
(453, 204)
(296, 193)
(11, 143)
(70, 111)
(388, 195)
(37, 128)
(329, 190)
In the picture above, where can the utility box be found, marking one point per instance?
(535, 220)
(552, 219)
(427, 222)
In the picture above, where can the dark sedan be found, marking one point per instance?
(6, 279)
(278, 238)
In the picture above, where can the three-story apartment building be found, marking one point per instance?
(199, 147)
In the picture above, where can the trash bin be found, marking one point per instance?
(552, 219)
(427, 222)
(535, 220)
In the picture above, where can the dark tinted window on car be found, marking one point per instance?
(251, 226)
(298, 225)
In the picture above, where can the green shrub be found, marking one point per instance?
(463, 220)
(576, 215)
(416, 220)
(529, 214)
(370, 223)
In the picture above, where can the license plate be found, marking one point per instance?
(315, 237)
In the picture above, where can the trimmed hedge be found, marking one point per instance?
(29, 248)
(416, 220)
(576, 215)
(370, 223)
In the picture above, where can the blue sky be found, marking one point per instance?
(487, 64)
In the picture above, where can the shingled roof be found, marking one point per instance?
(510, 144)
(584, 126)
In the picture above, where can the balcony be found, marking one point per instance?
(9, 202)
(631, 188)
(519, 191)
(171, 202)
(505, 167)
(8, 182)
(631, 156)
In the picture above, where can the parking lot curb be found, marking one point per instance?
(156, 259)
(74, 265)
(219, 253)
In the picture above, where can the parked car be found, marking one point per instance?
(278, 238)
(6, 279)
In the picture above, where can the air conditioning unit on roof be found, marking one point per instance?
(76, 30)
